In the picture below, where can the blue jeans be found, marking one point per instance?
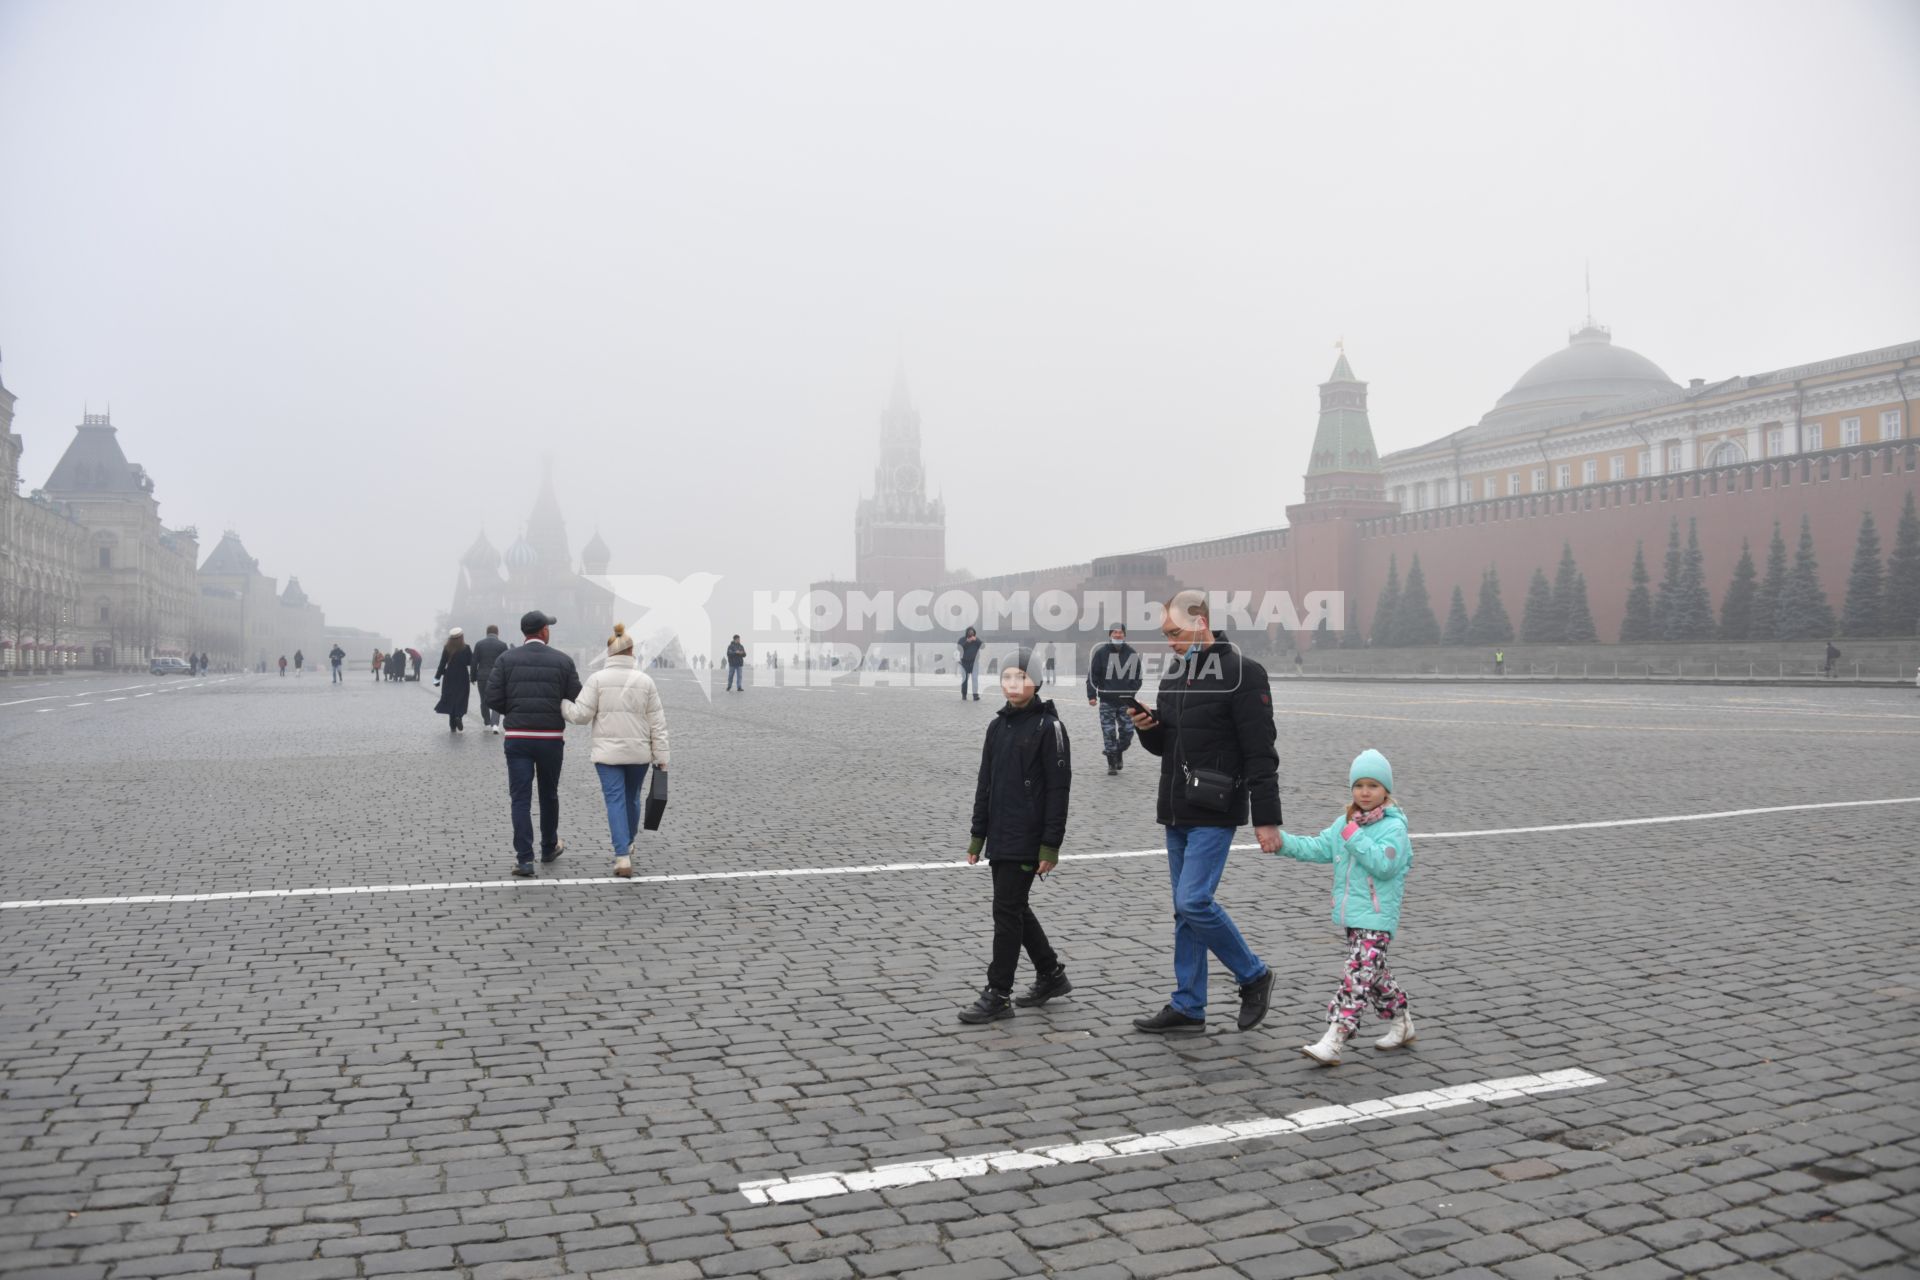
(1196, 859)
(528, 759)
(966, 674)
(735, 675)
(336, 673)
(620, 787)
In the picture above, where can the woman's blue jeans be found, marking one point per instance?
(621, 786)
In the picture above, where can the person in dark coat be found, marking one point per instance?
(414, 656)
(454, 677)
(1019, 823)
(526, 687)
(485, 654)
(1212, 723)
(969, 647)
(736, 666)
(1113, 677)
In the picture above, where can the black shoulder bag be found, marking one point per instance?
(1210, 789)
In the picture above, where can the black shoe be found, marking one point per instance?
(1119, 759)
(524, 870)
(976, 697)
(1253, 1000)
(1113, 764)
(1045, 988)
(990, 1007)
(1168, 1020)
(558, 849)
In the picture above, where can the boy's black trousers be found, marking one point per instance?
(1014, 926)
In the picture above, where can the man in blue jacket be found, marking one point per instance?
(527, 686)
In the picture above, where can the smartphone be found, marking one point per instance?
(1134, 704)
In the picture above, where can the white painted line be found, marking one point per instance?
(814, 1186)
(47, 697)
(44, 710)
(72, 705)
(119, 699)
(779, 873)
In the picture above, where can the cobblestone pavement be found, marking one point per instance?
(534, 1081)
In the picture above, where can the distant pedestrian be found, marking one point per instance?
(283, 666)
(736, 666)
(414, 656)
(1019, 824)
(969, 647)
(1499, 662)
(527, 687)
(1113, 680)
(1833, 659)
(1051, 678)
(1371, 855)
(1299, 662)
(485, 654)
(622, 704)
(1212, 727)
(379, 664)
(335, 657)
(299, 661)
(454, 679)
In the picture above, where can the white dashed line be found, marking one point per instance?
(778, 873)
(815, 1186)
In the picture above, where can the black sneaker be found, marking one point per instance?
(990, 1007)
(1045, 988)
(558, 849)
(1168, 1020)
(1119, 759)
(1253, 1000)
(524, 870)
(1113, 763)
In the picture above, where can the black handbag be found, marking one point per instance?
(1210, 789)
(656, 800)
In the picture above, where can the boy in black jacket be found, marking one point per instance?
(1019, 821)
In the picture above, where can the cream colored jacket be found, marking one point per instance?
(623, 706)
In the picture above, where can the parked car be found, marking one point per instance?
(169, 667)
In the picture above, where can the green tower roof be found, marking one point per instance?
(1344, 440)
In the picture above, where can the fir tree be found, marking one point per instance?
(1459, 626)
(1386, 611)
(1692, 617)
(1536, 619)
(1903, 575)
(1737, 606)
(1766, 598)
(1490, 622)
(1804, 611)
(1579, 618)
(1637, 625)
(1866, 585)
(1414, 623)
(1666, 601)
(1562, 600)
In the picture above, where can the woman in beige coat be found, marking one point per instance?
(629, 734)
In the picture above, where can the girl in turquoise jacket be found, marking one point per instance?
(1371, 855)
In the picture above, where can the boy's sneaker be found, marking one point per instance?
(559, 847)
(990, 1007)
(623, 867)
(524, 870)
(1253, 1000)
(1169, 1020)
(1045, 988)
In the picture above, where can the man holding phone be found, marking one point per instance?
(1213, 731)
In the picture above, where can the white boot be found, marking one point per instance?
(1399, 1032)
(1327, 1051)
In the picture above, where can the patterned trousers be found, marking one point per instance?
(1116, 729)
(1367, 981)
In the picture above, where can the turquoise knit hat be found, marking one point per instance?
(1371, 764)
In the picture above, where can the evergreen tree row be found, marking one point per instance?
(1785, 602)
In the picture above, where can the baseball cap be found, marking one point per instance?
(533, 620)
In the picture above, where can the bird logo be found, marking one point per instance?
(667, 612)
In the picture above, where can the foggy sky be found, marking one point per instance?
(345, 272)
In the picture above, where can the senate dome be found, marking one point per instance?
(1588, 374)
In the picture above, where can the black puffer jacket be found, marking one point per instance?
(527, 685)
(1020, 800)
(1219, 716)
(1113, 673)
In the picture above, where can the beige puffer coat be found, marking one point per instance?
(623, 706)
